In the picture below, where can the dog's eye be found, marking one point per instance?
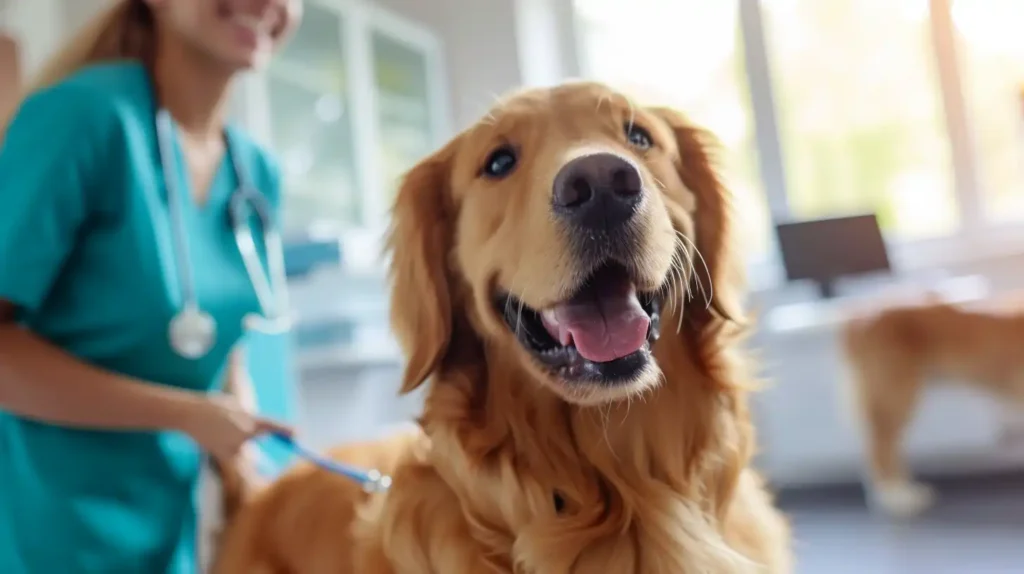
(500, 163)
(638, 137)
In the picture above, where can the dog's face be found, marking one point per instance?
(560, 226)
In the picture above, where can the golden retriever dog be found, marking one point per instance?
(896, 351)
(587, 408)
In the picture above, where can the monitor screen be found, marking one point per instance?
(826, 249)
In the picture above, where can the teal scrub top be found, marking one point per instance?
(87, 254)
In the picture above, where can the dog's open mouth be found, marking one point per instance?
(601, 334)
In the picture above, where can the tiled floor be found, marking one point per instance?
(977, 527)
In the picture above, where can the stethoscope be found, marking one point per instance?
(192, 332)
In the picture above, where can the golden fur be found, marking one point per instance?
(895, 351)
(514, 472)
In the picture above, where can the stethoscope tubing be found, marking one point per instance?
(270, 284)
(175, 208)
(371, 480)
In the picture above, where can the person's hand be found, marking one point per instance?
(222, 426)
(240, 479)
(248, 466)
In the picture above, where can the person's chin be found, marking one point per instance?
(242, 61)
(239, 57)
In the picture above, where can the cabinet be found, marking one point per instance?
(352, 101)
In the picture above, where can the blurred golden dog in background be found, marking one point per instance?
(896, 351)
(563, 276)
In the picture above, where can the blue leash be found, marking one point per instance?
(371, 480)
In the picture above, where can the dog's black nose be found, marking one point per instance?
(600, 191)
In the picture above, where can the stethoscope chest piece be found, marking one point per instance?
(192, 332)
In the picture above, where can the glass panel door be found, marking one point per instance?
(992, 56)
(860, 113)
(404, 106)
(311, 126)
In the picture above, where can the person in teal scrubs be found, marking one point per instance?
(103, 425)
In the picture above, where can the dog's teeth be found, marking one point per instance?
(550, 320)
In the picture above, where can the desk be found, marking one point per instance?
(825, 315)
(370, 345)
(342, 321)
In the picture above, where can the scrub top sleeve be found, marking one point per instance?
(48, 162)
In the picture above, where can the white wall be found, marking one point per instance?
(31, 23)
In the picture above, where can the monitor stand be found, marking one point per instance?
(827, 288)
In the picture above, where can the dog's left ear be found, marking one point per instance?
(419, 242)
(714, 223)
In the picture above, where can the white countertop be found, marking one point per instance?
(815, 316)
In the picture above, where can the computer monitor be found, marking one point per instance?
(823, 250)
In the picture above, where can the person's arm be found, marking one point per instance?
(237, 382)
(42, 382)
(52, 152)
(241, 475)
(51, 160)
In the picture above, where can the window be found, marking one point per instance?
(861, 117)
(403, 108)
(311, 125)
(858, 104)
(352, 73)
(689, 54)
(991, 55)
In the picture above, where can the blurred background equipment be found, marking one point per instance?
(827, 250)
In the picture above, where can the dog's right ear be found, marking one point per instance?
(419, 241)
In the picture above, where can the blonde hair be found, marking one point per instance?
(124, 31)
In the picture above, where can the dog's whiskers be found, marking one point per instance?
(691, 274)
(606, 416)
(684, 269)
(519, 317)
(508, 301)
(677, 287)
(709, 294)
(679, 279)
(682, 274)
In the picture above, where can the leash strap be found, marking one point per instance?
(371, 480)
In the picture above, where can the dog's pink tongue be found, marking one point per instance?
(605, 323)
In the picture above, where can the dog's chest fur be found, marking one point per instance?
(547, 488)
